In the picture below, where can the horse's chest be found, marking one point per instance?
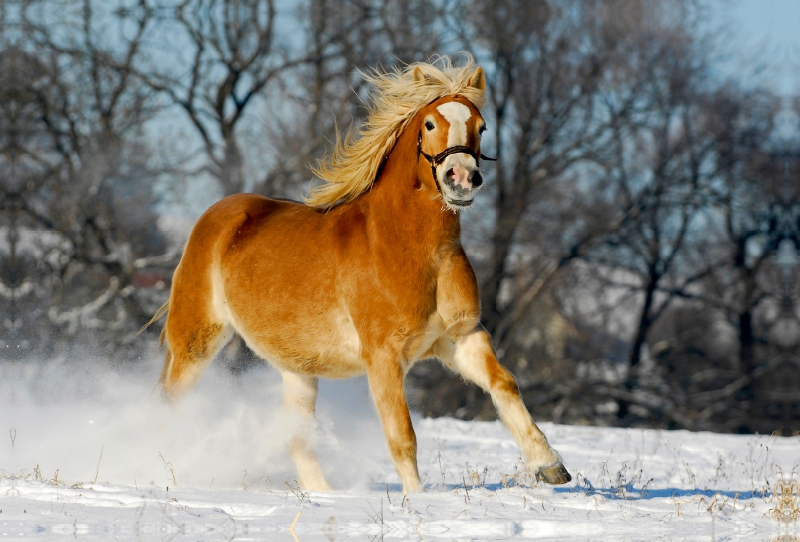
(407, 303)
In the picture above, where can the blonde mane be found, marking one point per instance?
(353, 165)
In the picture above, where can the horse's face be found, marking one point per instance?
(450, 123)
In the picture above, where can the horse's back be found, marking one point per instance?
(228, 215)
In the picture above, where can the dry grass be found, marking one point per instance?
(297, 491)
(786, 497)
(250, 484)
(170, 469)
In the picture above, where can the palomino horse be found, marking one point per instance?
(370, 277)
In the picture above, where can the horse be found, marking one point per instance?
(367, 276)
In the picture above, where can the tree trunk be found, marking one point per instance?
(232, 174)
(635, 356)
(501, 245)
(645, 321)
(747, 361)
(747, 365)
(746, 351)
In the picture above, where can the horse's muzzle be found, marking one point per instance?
(460, 182)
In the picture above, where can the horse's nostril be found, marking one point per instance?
(477, 179)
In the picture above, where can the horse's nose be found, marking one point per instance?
(460, 176)
(477, 179)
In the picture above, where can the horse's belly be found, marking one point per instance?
(331, 363)
(328, 346)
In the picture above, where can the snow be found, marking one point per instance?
(214, 467)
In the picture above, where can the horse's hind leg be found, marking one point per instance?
(300, 397)
(473, 357)
(193, 338)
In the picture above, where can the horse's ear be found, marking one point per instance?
(478, 79)
(419, 77)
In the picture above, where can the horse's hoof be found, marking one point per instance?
(553, 474)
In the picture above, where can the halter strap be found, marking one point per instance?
(437, 159)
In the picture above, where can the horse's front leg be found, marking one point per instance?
(473, 357)
(386, 378)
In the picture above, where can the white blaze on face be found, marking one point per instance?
(457, 114)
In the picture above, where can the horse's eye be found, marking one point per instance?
(482, 129)
(429, 125)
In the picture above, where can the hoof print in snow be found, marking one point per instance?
(553, 474)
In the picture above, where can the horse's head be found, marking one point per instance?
(449, 144)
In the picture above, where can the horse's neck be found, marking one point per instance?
(401, 210)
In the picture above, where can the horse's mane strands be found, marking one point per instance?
(353, 165)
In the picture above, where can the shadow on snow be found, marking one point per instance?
(611, 493)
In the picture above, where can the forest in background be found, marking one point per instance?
(636, 243)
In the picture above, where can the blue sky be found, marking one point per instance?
(763, 31)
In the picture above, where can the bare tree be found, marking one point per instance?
(78, 192)
(752, 203)
(563, 80)
(225, 54)
(554, 69)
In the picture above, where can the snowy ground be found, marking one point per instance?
(215, 468)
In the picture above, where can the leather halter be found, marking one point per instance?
(437, 159)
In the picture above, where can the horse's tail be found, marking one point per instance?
(162, 311)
